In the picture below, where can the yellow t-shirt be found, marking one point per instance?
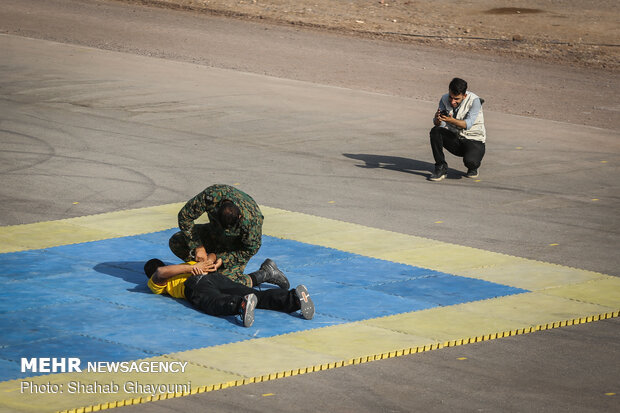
(174, 287)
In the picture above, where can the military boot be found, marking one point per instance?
(270, 273)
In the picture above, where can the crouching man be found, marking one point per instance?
(459, 127)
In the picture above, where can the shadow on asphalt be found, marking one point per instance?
(400, 164)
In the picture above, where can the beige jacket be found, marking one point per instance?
(477, 131)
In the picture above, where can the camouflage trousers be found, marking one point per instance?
(213, 243)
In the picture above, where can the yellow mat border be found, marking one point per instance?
(344, 236)
(342, 363)
(402, 248)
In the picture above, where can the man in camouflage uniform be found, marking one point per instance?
(233, 234)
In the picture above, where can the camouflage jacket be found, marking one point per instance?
(236, 245)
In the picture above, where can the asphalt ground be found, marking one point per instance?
(86, 131)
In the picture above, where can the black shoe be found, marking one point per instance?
(471, 173)
(246, 311)
(307, 306)
(270, 273)
(440, 173)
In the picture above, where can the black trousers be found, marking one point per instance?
(216, 294)
(471, 151)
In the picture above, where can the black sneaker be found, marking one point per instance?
(246, 311)
(471, 173)
(307, 306)
(273, 275)
(440, 173)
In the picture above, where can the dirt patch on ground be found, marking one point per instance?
(585, 32)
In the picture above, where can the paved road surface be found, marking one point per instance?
(119, 131)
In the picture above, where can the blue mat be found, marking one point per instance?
(91, 301)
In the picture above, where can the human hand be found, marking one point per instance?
(211, 258)
(201, 254)
(436, 119)
(205, 267)
(198, 268)
(201, 268)
(445, 118)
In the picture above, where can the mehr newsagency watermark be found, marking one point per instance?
(74, 365)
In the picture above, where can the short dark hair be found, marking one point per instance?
(152, 265)
(458, 86)
(228, 214)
